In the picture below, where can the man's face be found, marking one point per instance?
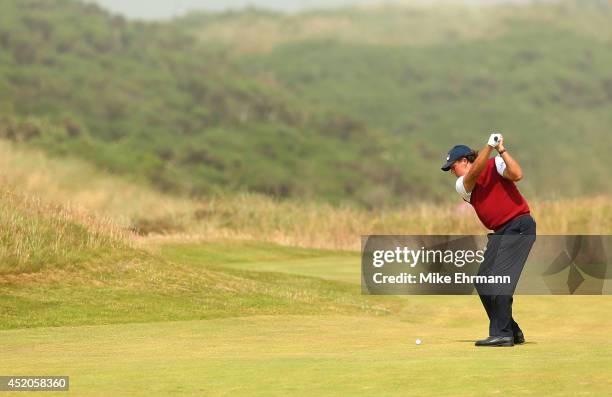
(460, 167)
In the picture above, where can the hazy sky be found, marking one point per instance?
(153, 9)
(158, 9)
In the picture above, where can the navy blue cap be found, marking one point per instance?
(456, 153)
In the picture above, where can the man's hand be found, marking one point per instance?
(513, 170)
(500, 146)
(494, 140)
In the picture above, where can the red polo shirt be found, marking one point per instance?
(496, 199)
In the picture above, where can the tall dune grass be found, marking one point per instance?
(154, 215)
(75, 183)
(324, 226)
(35, 235)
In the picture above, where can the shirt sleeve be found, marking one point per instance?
(500, 164)
(461, 189)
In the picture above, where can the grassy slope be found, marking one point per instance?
(355, 105)
(432, 75)
(152, 288)
(60, 266)
(148, 101)
(75, 182)
(328, 352)
(36, 236)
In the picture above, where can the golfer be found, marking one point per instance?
(488, 185)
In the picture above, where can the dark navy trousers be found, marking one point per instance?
(507, 251)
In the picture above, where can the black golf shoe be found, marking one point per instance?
(519, 338)
(494, 341)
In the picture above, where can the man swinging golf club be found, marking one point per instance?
(488, 185)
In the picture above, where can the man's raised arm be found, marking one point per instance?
(513, 170)
(469, 180)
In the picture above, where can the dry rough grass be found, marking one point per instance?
(80, 186)
(250, 217)
(120, 206)
(35, 234)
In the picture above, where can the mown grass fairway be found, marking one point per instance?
(325, 264)
(305, 355)
(340, 343)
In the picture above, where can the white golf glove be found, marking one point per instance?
(494, 140)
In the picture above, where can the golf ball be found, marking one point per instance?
(418, 341)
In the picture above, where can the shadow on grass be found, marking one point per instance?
(474, 341)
